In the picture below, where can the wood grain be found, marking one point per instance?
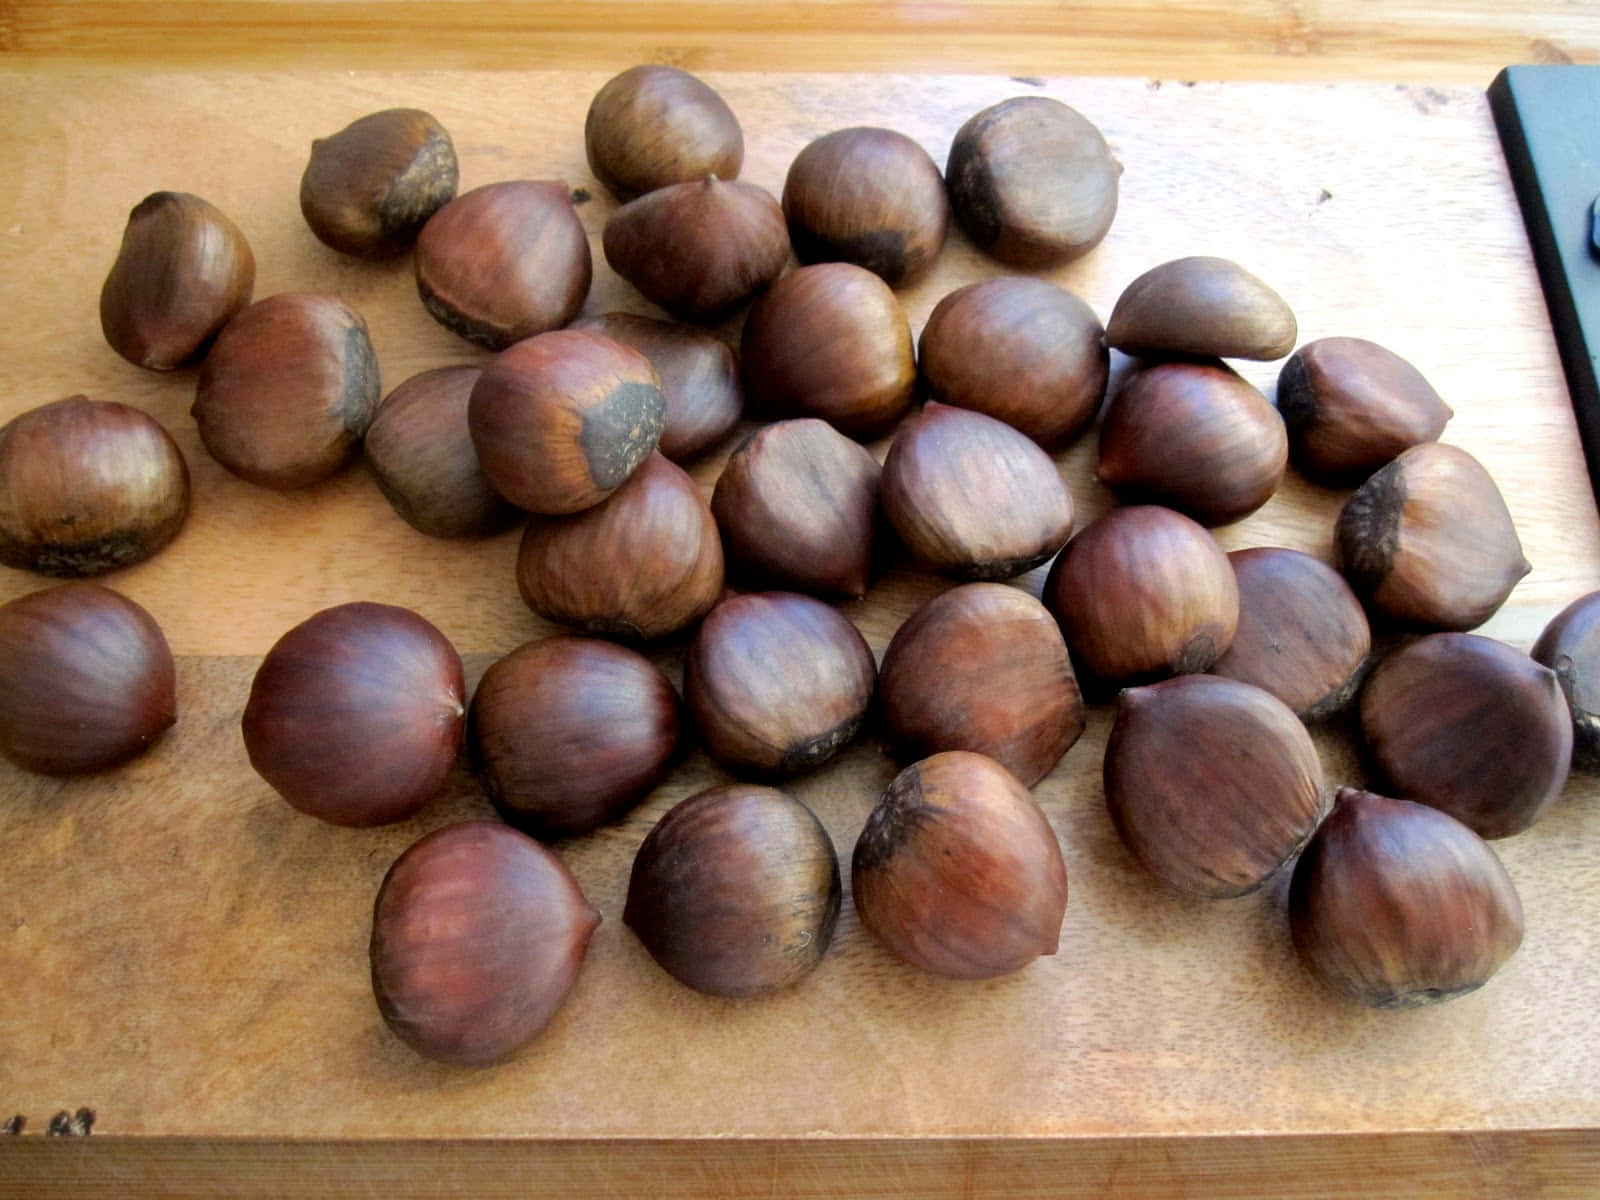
(186, 955)
(1462, 41)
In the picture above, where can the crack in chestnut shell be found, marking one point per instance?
(653, 126)
(87, 680)
(478, 933)
(958, 871)
(1395, 905)
(736, 891)
(1570, 646)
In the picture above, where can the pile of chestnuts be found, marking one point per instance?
(870, 443)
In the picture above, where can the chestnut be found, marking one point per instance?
(1212, 784)
(1394, 904)
(958, 871)
(182, 271)
(643, 563)
(87, 680)
(777, 682)
(829, 341)
(355, 715)
(477, 936)
(654, 125)
(1351, 406)
(982, 667)
(1194, 437)
(972, 497)
(698, 373)
(1471, 726)
(1032, 182)
(1569, 647)
(504, 261)
(1141, 594)
(562, 419)
(87, 486)
(699, 250)
(867, 196)
(1019, 349)
(288, 390)
(736, 891)
(1302, 635)
(1204, 306)
(797, 505)
(1427, 541)
(368, 189)
(421, 453)
(569, 733)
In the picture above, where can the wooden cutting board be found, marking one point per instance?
(182, 953)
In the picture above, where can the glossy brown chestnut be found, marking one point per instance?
(86, 680)
(699, 378)
(958, 871)
(1194, 437)
(867, 196)
(504, 261)
(797, 505)
(1212, 784)
(570, 733)
(1352, 406)
(1471, 726)
(368, 189)
(182, 271)
(1141, 594)
(1428, 543)
(653, 125)
(643, 563)
(87, 486)
(562, 419)
(736, 891)
(478, 933)
(1570, 646)
(1201, 305)
(1021, 350)
(355, 715)
(699, 250)
(982, 667)
(1302, 634)
(972, 497)
(1032, 182)
(829, 341)
(421, 453)
(777, 682)
(288, 390)
(1394, 904)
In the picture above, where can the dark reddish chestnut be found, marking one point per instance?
(1570, 646)
(1203, 306)
(654, 125)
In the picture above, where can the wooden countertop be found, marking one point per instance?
(184, 954)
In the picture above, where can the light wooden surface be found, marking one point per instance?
(186, 955)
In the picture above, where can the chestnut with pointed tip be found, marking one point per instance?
(1570, 646)
(355, 715)
(958, 870)
(1471, 726)
(972, 497)
(1212, 784)
(982, 667)
(653, 126)
(1427, 542)
(1204, 306)
(735, 891)
(504, 261)
(87, 680)
(87, 486)
(368, 189)
(478, 933)
(182, 271)
(777, 682)
(797, 505)
(1395, 905)
(643, 563)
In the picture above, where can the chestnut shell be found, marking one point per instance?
(1570, 646)
(1201, 305)
(655, 125)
